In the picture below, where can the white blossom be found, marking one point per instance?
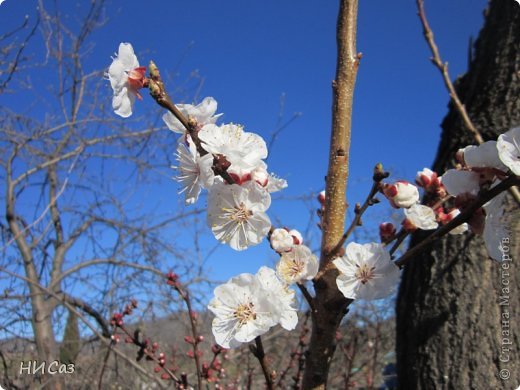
(125, 64)
(401, 194)
(459, 182)
(495, 228)
(508, 146)
(203, 114)
(274, 183)
(195, 172)
(421, 217)
(236, 214)
(243, 150)
(282, 298)
(297, 265)
(269, 181)
(482, 156)
(243, 310)
(366, 272)
(281, 240)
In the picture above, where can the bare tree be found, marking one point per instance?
(77, 230)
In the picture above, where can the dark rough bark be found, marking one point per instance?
(449, 317)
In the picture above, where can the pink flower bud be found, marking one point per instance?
(297, 237)
(136, 80)
(240, 178)
(172, 279)
(428, 180)
(260, 175)
(188, 339)
(401, 194)
(387, 231)
(409, 226)
(321, 198)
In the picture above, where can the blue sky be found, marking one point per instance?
(249, 53)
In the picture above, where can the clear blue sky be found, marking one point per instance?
(250, 52)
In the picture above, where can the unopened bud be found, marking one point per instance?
(321, 198)
(387, 231)
(401, 194)
(260, 175)
(379, 173)
(297, 237)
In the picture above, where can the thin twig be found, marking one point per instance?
(186, 297)
(400, 237)
(105, 361)
(160, 95)
(359, 211)
(443, 68)
(258, 352)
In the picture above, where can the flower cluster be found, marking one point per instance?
(238, 201)
(223, 159)
(483, 167)
(228, 163)
(248, 305)
(480, 167)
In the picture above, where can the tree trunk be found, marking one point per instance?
(458, 312)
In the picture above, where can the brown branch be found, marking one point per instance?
(258, 351)
(330, 303)
(443, 68)
(149, 354)
(333, 220)
(14, 66)
(159, 94)
(80, 304)
(464, 216)
(185, 295)
(399, 238)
